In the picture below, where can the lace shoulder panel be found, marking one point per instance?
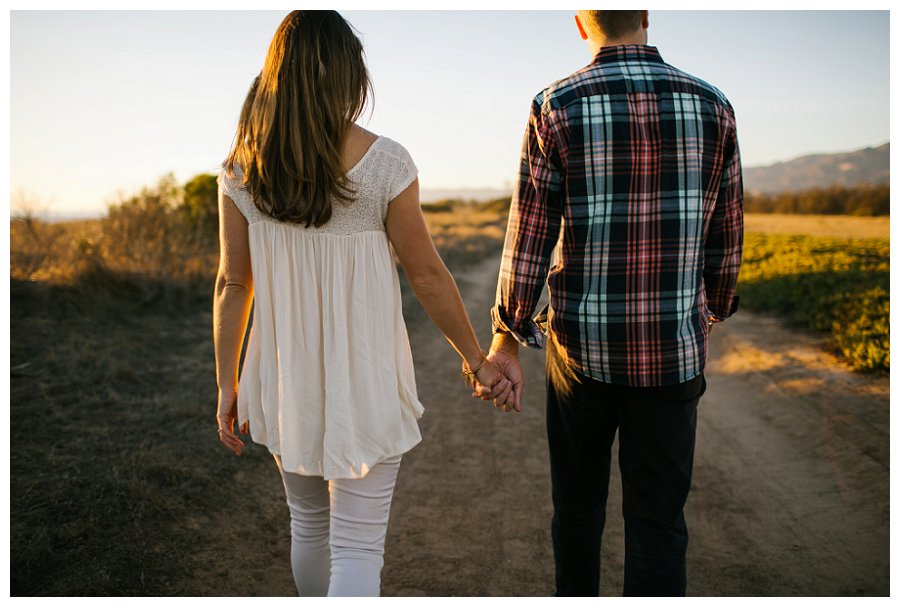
(398, 166)
(380, 176)
(241, 197)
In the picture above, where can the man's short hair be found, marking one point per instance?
(611, 24)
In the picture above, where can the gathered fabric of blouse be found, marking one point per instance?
(327, 381)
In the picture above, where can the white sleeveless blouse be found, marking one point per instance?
(327, 381)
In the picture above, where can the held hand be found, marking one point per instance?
(512, 369)
(491, 375)
(226, 415)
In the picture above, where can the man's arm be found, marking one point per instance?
(532, 231)
(535, 216)
(724, 240)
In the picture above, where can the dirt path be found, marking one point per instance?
(791, 481)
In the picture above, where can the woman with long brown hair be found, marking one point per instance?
(310, 205)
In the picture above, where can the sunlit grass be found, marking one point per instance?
(842, 226)
(467, 232)
(837, 285)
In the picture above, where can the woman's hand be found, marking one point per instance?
(226, 415)
(509, 365)
(490, 375)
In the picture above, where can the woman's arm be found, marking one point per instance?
(435, 287)
(231, 310)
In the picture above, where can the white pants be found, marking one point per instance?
(338, 530)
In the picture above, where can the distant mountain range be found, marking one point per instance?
(868, 165)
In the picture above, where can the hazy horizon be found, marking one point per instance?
(426, 195)
(105, 102)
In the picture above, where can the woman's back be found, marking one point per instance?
(383, 171)
(305, 240)
(328, 379)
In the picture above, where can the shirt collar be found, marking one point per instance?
(627, 52)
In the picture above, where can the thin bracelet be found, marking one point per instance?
(468, 372)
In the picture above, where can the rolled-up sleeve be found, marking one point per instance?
(532, 231)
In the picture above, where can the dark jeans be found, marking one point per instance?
(656, 429)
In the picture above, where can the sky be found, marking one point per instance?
(105, 102)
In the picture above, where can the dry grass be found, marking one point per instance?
(112, 391)
(833, 226)
(118, 482)
(50, 252)
(466, 233)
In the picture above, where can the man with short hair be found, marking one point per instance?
(632, 166)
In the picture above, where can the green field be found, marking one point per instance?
(837, 285)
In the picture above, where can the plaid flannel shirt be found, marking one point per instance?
(632, 167)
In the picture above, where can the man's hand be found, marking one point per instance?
(504, 354)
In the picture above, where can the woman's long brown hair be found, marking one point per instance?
(291, 132)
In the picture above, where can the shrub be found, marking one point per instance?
(149, 234)
(200, 205)
(864, 200)
(498, 205)
(862, 330)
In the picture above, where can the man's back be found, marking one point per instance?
(633, 165)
